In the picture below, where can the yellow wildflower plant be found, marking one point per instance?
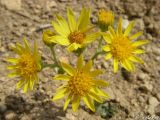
(80, 84)
(74, 34)
(123, 47)
(26, 66)
(105, 18)
(47, 37)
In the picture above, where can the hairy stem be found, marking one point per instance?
(57, 63)
(98, 50)
(44, 65)
(54, 55)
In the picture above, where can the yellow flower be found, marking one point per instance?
(47, 36)
(25, 66)
(105, 18)
(74, 34)
(80, 84)
(123, 47)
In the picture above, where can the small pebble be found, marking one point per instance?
(153, 102)
(10, 115)
(142, 76)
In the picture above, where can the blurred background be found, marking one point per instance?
(132, 96)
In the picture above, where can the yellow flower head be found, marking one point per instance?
(26, 66)
(47, 37)
(105, 18)
(74, 33)
(80, 84)
(123, 47)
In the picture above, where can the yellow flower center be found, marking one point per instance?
(105, 17)
(76, 37)
(80, 83)
(27, 65)
(121, 47)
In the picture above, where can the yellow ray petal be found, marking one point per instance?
(88, 66)
(129, 28)
(106, 48)
(60, 29)
(89, 103)
(101, 93)
(95, 73)
(60, 94)
(31, 84)
(80, 62)
(139, 43)
(67, 102)
(138, 51)
(70, 70)
(108, 56)
(73, 47)
(39, 66)
(13, 74)
(101, 83)
(11, 67)
(19, 46)
(36, 78)
(124, 66)
(111, 30)
(83, 19)
(17, 50)
(60, 40)
(12, 60)
(62, 77)
(91, 37)
(106, 37)
(27, 47)
(71, 20)
(133, 66)
(63, 24)
(61, 87)
(94, 96)
(127, 65)
(136, 59)
(26, 86)
(136, 35)
(119, 28)
(115, 65)
(20, 84)
(76, 102)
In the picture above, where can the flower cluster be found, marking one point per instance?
(80, 82)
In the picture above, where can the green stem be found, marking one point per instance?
(96, 54)
(48, 65)
(98, 50)
(79, 51)
(100, 44)
(57, 63)
(54, 55)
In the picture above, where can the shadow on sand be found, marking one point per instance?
(38, 110)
